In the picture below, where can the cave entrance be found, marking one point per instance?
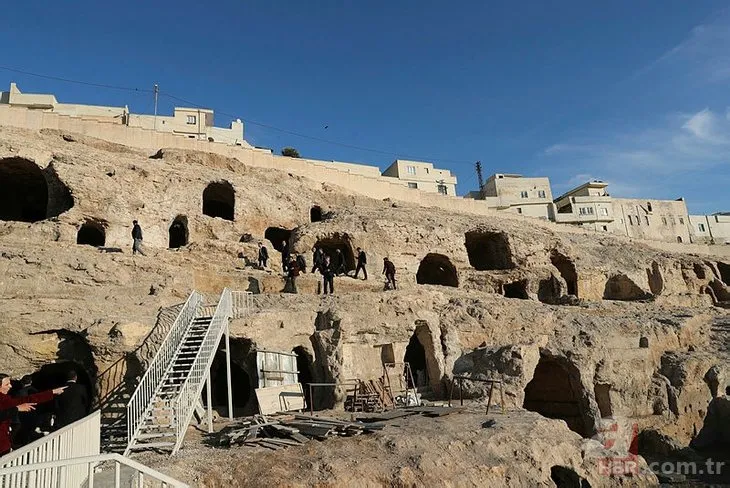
(23, 191)
(240, 386)
(724, 270)
(489, 250)
(566, 267)
(91, 233)
(178, 232)
(518, 289)
(549, 290)
(330, 245)
(437, 269)
(621, 287)
(219, 200)
(304, 371)
(416, 358)
(277, 237)
(602, 392)
(315, 214)
(554, 392)
(53, 375)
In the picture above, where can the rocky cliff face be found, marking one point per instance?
(579, 326)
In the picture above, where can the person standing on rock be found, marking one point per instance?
(339, 263)
(263, 256)
(328, 276)
(10, 406)
(301, 263)
(290, 285)
(285, 256)
(362, 260)
(317, 259)
(137, 238)
(389, 272)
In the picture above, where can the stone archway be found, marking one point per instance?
(305, 375)
(331, 244)
(277, 236)
(489, 250)
(178, 232)
(516, 289)
(437, 269)
(567, 270)
(424, 356)
(219, 200)
(621, 287)
(29, 193)
(555, 392)
(315, 214)
(91, 233)
(243, 381)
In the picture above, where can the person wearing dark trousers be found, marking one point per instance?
(136, 238)
(73, 404)
(285, 256)
(328, 276)
(317, 259)
(389, 272)
(362, 260)
(338, 263)
(27, 422)
(263, 256)
(291, 279)
(10, 406)
(301, 263)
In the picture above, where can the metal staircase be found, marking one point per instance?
(162, 406)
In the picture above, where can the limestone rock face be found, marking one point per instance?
(577, 326)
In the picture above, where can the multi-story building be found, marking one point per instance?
(422, 176)
(515, 193)
(710, 229)
(588, 206)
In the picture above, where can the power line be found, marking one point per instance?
(78, 82)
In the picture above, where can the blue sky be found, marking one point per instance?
(633, 93)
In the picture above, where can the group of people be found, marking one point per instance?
(327, 265)
(27, 414)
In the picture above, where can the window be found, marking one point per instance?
(631, 221)
(647, 219)
(426, 170)
(442, 189)
(681, 221)
(412, 185)
(664, 221)
(701, 227)
(411, 170)
(671, 219)
(586, 210)
(602, 211)
(523, 194)
(648, 206)
(541, 193)
(519, 210)
(192, 120)
(605, 228)
(638, 220)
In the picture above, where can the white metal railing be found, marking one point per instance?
(242, 303)
(81, 438)
(104, 470)
(192, 388)
(141, 400)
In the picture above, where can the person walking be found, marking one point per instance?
(72, 404)
(362, 260)
(136, 238)
(285, 256)
(263, 256)
(339, 263)
(389, 272)
(317, 259)
(328, 276)
(291, 280)
(10, 406)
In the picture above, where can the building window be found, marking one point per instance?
(412, 185)
(647, 219)
(192, 120)
(605, 228)
(411, 170)
(519, 210)
(681, 221)
(631, 221)
(541, 193)
(648, 206)
(523, 194)
(586, 210)
(701, 227)
(664, 221)
(603, 211)
(671, 219)
(426, 170)
(442, 189)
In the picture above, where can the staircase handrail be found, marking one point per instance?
(192, 388)
(140, 401)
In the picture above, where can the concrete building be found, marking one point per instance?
(588, 206)
(194, 123)
(422, 176)
(532, 197)
(710, 229)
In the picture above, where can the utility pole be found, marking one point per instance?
(481, 180)
(157, 92)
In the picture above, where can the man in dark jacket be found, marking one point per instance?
(290, 286)
(136, 238)
(285, 256)
(362, 260)
(328, 276)
(338, 263)
(301, 263)
(27, 422)
(10, 406)
(389, 272)
(317, 259)
(263, 255)
(73, 404)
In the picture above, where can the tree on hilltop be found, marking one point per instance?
(290, 151)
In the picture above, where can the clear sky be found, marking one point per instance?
(633, 93)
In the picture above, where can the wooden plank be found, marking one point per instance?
(284, 398)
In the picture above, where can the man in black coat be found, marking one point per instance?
(362, 260)
(136, 238)
(328, 276)
(338, 263)
(263, 256)
(72, 404)
(25, 432)
(285, 256)
(317, 259)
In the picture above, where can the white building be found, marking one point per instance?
(422, 176)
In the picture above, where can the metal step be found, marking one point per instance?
(151, 445)
(155, 435)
